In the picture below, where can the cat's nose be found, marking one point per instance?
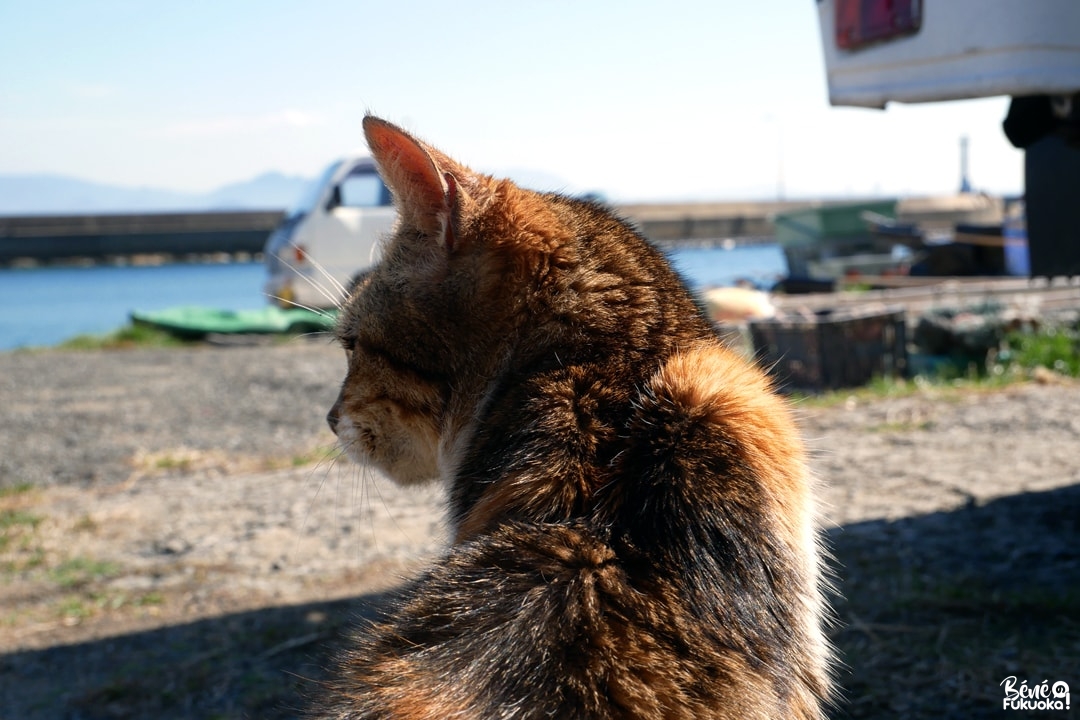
(333, 416)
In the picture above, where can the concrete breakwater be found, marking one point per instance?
(46, 238)
(60, 238)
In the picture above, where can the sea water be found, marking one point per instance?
(759, 265)
(46, 305)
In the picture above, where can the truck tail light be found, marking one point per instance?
(863, 22)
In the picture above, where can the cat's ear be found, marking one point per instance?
(427, 193)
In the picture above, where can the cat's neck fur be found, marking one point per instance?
(553, 387)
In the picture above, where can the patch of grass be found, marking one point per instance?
(109, 601)
(86, 523)
(901, 426)
(74, 607)
(880, 388)
(171, 462)
(15, 490)
(36, 559)
(182, 460)
(15, 524)
(78, 571)
(317, 455)
(150, 599)
(87, 604)
(128, 336)
(1054, 348)
(179, 460)
(31, 559)
(18, 518)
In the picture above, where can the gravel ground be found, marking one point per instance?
(180, 539)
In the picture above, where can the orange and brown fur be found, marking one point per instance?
(629, 505)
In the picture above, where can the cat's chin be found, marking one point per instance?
(404, 466)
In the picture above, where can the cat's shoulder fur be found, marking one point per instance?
(630, 509)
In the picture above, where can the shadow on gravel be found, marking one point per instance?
(936, 611)
(258, 664)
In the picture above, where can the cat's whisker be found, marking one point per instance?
(358, 479)
(326, 464)
(371, 485)
(318, 311)
(328, 336)
(337, 298)
(334, 300)
(343, 489)
(366, 477)
(334, 282)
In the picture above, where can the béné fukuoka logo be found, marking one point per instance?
(1041, 696)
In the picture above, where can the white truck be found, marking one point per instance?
(329, 237)
(913, 51)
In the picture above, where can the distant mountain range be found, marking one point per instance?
(60, 195)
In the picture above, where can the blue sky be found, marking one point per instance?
(697, 100)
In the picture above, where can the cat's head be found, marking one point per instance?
(426, 327)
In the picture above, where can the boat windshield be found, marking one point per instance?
(311, 193)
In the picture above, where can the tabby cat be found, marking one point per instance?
(629, 506)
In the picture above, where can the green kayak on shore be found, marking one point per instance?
(197, 322)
